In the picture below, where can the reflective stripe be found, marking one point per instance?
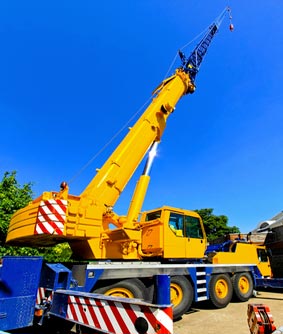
(51, 217)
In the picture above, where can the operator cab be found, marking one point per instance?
(173, 233)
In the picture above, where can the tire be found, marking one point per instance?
(220, 290)
(181, 294)
(128, 288)
(243, 286)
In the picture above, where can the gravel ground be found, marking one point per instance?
(232, 319)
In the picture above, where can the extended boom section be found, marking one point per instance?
(192, 64)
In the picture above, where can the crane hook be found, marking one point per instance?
(231, 26)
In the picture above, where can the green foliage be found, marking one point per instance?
(20, 251)
(12, 198)
(58, 253)
(215, 226)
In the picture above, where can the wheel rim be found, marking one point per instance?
(119, 292)
(244, 284)
(176, 294)
(221, 288)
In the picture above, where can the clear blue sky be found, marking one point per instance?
(74, 72)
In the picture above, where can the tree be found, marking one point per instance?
(215, 226)
(12, 198)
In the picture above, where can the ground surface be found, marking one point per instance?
(232, 319)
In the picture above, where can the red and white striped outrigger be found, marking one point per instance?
(111, 315)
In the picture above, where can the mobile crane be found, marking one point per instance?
(147, 246)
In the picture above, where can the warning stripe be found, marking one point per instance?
(164, 317)
(71, 312)
(106, 315)
(51, 217)
(40, 295)
(151, 317)
(130, 311)
(146, 313)
(118, 317)
(55, 207)
(43, 294)
(82, 315)
(49, 227)
(96, 315)
(121, 315)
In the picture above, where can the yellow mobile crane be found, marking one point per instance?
(88, 222)
(165, 241)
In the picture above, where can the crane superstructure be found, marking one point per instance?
(88, 222)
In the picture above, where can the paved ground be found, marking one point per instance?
(230, 320)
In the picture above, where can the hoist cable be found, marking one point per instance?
(109, 142)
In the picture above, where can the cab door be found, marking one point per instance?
(195, 241)
(184, 238)
(174, 241)
(264, 263)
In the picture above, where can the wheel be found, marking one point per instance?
(128, 288)
(220, 290)
(181, 295)
(243, 286)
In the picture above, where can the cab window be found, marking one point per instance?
(153, 215)
(176, 223)
(193, 227)
(262, 255)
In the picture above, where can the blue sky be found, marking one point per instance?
(74, 72)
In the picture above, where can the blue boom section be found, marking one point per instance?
(192, 64)
(19, 281)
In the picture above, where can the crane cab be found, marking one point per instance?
(173, 233)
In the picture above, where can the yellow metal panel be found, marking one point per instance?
(174, 245)
(152, 239)
(243, 253)
(22, 224)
